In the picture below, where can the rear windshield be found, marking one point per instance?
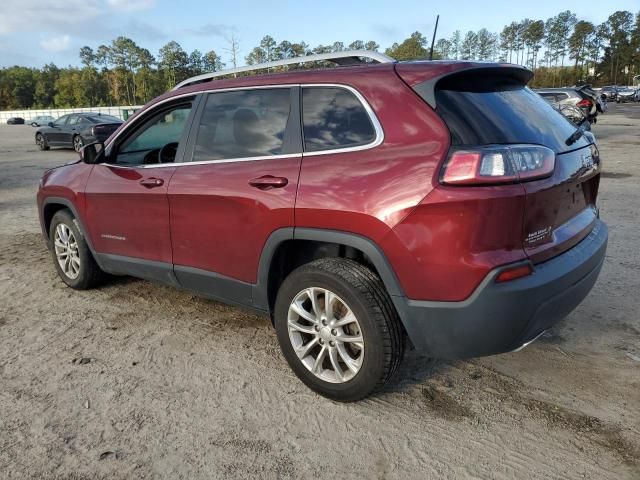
(506, 113)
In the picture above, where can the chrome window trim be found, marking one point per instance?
(206, 162)
(372, 116)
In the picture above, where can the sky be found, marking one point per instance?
(36, 32)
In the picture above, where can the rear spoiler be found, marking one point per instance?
(467, 76)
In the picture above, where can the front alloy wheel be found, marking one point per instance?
(325, 335)
(72, 258)
(66, 249)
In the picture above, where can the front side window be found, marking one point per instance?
(157, 140)
(333, 118)
(242, 124)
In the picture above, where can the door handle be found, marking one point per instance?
(268, 182)
(152, 182)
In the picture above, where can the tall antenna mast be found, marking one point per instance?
(433, 40)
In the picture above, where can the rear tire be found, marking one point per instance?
(360, 332)
(71, 255)
(77, 143)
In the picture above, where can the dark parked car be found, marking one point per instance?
(41, 120)
(589, 92)
(442, 205)
(15, 121)
(76, 130)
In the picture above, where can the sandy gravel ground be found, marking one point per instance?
(136, 380)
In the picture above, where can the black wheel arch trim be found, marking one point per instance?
(68, 204)
(364, 244)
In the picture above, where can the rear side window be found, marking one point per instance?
(501, 112)
(104, 119)
(549, 97)
(244, 123)
(333, 118)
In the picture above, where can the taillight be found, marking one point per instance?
(93, 131)
(585, 103)
(497, 164)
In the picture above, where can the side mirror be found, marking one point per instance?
(92, 153)
(50, 124)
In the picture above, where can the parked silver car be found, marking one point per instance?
(571, 96)
(627, 94)
(41, 120)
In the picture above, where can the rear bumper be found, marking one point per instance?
(500, 317)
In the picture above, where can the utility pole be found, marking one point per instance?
(433, 39)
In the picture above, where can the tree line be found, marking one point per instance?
(562, 50)
(608, 53)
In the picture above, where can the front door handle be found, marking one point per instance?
(152, 182)
(267, 182)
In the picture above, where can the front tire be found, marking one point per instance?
(41, 141)
(71, 255)
(338, 329)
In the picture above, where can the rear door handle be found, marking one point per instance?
(268, 182)
(152, 182)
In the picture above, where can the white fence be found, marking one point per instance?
(121, 112)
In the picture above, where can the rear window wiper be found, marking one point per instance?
(577, 134)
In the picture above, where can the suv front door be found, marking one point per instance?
(126, 196)
(239, 188)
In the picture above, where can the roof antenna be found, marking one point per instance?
(433, 40)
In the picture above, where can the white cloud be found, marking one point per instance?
(131, 5)
(211, 30)
(56, 44)
(83, 18)
(47, 15)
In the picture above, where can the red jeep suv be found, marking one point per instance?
(438, 205)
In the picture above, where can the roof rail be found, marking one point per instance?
(346, 57)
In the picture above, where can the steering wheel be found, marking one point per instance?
(167, 154)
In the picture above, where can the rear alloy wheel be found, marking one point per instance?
(325, 334)
(41, 141)
(77, 143)
(338, 329)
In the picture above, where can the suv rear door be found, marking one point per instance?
(245, 151)
(496, 108)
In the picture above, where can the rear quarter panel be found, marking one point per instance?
(368, 192)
